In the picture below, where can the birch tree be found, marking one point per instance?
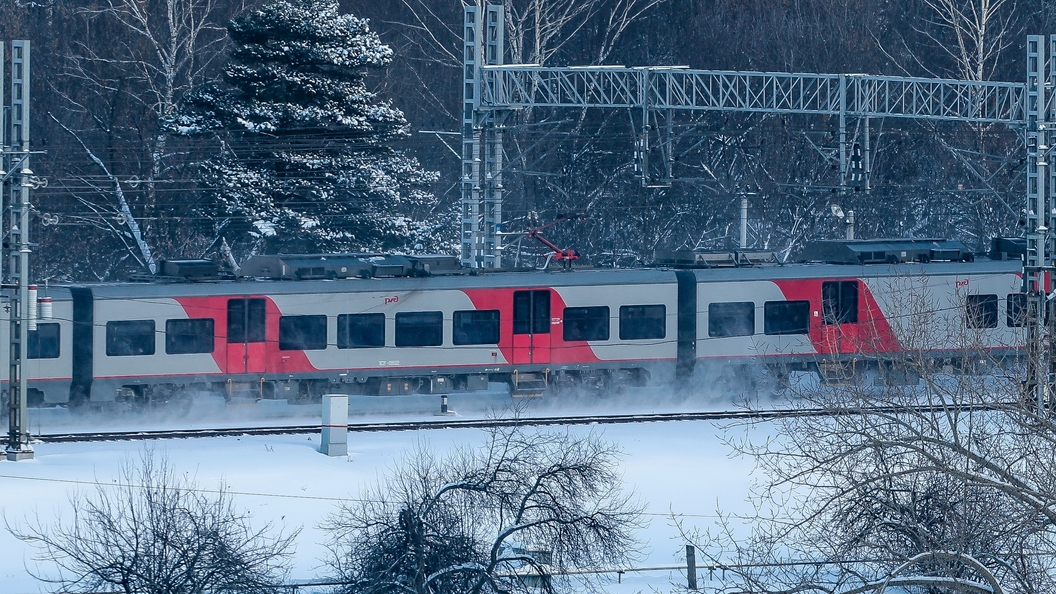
(132, 61)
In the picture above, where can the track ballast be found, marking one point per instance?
(448, 423)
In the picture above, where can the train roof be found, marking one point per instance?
(551, 278)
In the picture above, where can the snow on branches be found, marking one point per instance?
(304, 162)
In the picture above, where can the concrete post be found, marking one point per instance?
(691, 567)
(335, 425)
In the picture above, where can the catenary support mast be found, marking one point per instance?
(21, 179)
(1041, 242)
(482, 152)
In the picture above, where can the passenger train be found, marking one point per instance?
(297, 327)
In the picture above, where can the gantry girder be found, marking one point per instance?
(494, 90)
(669, 88)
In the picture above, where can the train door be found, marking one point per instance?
(246, 351)
(531, 326)
(839, 315)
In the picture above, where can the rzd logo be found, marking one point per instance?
(962, 283)
(393, 299)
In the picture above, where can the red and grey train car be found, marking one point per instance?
(359, 332)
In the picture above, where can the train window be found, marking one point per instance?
(184, 337)
(839, 302)
(981, 311)
(786, 317)
(245, 320)
(731, 319)
(129, 337)
(531, 312)
(43, 342)
(640, 322)
(476, 327)
(586, 323)
(357, 331)
(1016, 310)
(302, 333)
(419, 328)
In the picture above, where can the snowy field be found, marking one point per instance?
(679, 467)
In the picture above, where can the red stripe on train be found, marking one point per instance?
(871, 335)
(560, 351)
(260, 357)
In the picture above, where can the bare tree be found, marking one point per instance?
(980, 30)
(133, 63)
(153, 531)
(511, 515)
(922, 474)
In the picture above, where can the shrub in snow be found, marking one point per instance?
(154, 531)
(514, 515)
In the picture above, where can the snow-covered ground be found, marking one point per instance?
(200, 411)
(679, 467)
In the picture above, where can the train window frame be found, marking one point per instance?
(419, 328)
(776, 319)
(197, 343)
(730, 319)
(980, 311)
(131, 330)
(302, 332)
(1016, 310)
(367, 333)
(50, 347)
(475, 326)
(252, 327)
(589, 323)
(643, 322)
(531, 311)
(840, 302)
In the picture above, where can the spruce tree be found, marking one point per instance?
(304, 162)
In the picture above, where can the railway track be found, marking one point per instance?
(759, 415)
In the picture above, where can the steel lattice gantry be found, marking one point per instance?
(859, 95)
(494, 90)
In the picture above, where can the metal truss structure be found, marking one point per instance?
(481, 141)
(1040, 258)
(660, 87)
(16, 176)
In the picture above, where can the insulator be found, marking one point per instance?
(45, 308)
(31, 310)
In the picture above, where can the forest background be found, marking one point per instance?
(107, 74)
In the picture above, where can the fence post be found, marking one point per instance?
(691, 567)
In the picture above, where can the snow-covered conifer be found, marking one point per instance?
(304, 163)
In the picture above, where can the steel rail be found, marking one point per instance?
(725, 415)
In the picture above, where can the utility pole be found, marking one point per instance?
(20, 179)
